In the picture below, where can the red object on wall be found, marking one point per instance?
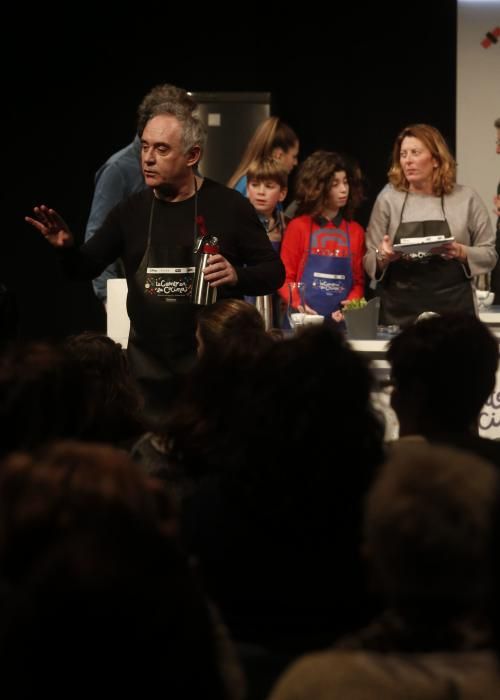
(491, 38)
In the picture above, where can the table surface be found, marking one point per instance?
(490, 314)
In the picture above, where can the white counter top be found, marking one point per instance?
(372, 347)
(490, 315)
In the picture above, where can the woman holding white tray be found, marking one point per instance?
(423, 200)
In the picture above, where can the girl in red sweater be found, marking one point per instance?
(323, 246)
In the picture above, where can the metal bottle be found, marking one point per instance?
(202, 293)
(264, 306)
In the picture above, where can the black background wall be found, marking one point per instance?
(346, 80)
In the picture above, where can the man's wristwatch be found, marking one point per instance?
(380, 255)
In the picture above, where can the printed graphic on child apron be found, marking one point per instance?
(169, 283)
(328, 270)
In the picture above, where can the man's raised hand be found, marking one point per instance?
(52, 226)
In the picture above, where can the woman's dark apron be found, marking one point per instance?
(162, 343)
(328, 269)
(423, 282)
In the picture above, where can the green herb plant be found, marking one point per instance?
(354, 304)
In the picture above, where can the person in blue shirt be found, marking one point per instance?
(121, 175)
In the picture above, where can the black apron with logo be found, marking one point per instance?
(162, 344)
(423, 282)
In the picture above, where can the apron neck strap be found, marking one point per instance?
(404, 204)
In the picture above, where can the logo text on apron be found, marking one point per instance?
(169, 283)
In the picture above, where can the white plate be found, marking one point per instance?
(313, 319)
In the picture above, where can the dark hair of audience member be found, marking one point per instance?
(428, 533)
(289, 411)
(41, 396)
(199, 429)
(229, 325)
(101, 594)
(443, 370)
(65, 485)
(278, 536)
(112, 606)
(113, 399)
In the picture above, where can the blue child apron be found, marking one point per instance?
(328, 269)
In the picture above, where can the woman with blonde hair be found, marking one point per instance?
(272, 139)
(427, 236)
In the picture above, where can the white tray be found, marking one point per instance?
(421, 245)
